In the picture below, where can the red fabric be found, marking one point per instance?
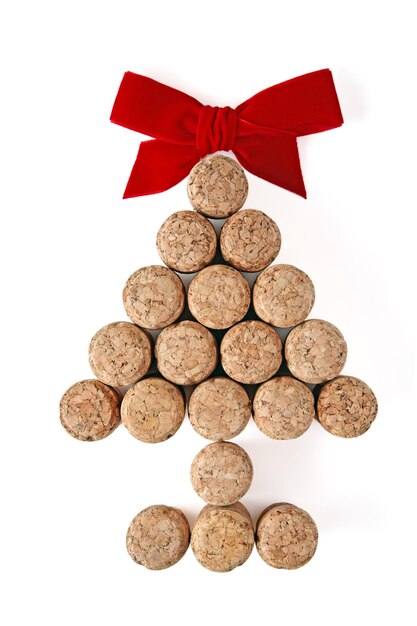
(262, 131)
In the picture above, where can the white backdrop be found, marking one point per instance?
(69, 242)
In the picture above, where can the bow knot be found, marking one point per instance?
(216, 129)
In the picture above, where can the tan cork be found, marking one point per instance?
(221, 473)
(120, 354)
(158, 537)
(219, 296)
(153, 410)
(283, 295)
(283, 408)
(223, 537)
(154, 297)
(346, 407)
(217, 186)
(251, 352)
(89, 410)
(219, 409)
(286, 536)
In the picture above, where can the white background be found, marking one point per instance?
(69, 242)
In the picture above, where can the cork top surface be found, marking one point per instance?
(251, 352)
(186, 241)
(315, 351)
(153, 410)
(346, 407)
(219, 296)
(154, 297)
(221, 473)
(219, 409)
(223, 537)
(217, 186)
(186, 353)
(158, 537)
(120, 354)
(283, 408)
(283, 295)
(89, 410)
(250, 240)
(286, 536)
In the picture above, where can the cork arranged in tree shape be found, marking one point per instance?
(140, 375)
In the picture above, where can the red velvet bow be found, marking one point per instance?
(262, 131)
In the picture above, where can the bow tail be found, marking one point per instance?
(159, 166)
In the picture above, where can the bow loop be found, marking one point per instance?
(216, 129)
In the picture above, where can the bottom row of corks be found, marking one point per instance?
(223, 536)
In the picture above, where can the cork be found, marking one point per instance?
(186, 242)
(158, 537)
(154, 297)
(315, 351)
(186, 353)
(89, 410)
(219, 296)
(120, 354)
(219, 409)
(250, 240)
(283, 295)
(217, 186)
(223, 537)
(153, 410)
(221, 473)
(251, 352)
(346, 407)
(286, 536)
(283, 408)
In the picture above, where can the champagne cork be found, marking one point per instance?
(186, 242)
(158, 537)
(250, 240)
(221, 473)
(283, 408)
(219, 409)
(217, 186)
(286, 536)
(346, 407)
(315, 351)
(120, 354)
(89, 410)
(223, 537)
(219, 296)
(154, 297)
(153, 410)
(283, 295)
(251, 352)
(186, 353)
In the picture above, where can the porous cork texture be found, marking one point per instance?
(120, 354)
(286, 536)
(283, 295)
(89, 410)
(221, 473)
(186, 353)
(223, 537)
(154, 297)
(250, 240)
(283, 408)
(251, 352)
(346, 407)
(219, 409)
(153, 410)
(315, 351)
(217, 186)
(158, 537)
(219, 296)
(186, 242)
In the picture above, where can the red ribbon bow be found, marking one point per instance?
(262, 131)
